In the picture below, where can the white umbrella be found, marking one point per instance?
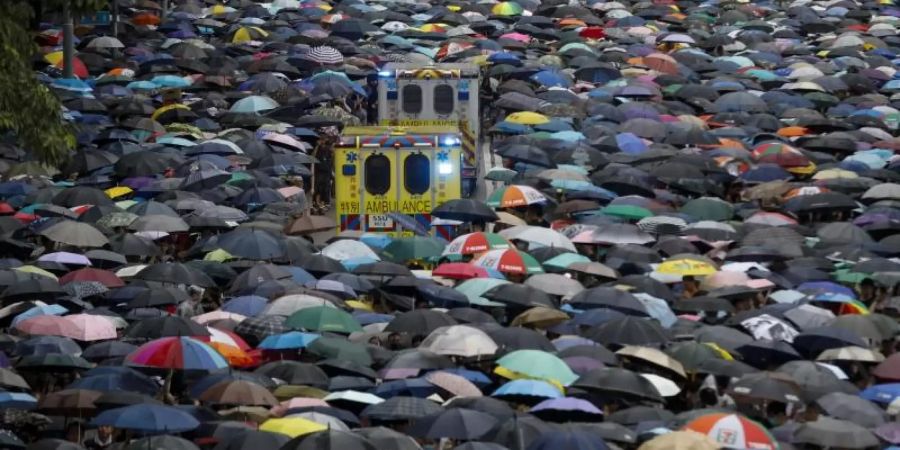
(459, 340)
(289, 304)
(543, 237)
(349, 249)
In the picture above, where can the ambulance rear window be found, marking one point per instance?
(416, 174)
(412, 99)
(444, 99)
(377, 174)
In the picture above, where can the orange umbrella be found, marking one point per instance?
(793, 132)
(235, 356)
(145, 19)
(570, 22)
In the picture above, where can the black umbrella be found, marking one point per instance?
(637, 414)
(520, 295)
(165, 326)
(249, 243)
(629, 331)
(454, 423)
(465, 210)
(329, 440)
(385, 438)
(174, 273)
(419, 322)
(772, 386)
(615, 381)
(295, 373)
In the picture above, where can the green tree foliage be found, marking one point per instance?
(27, 108)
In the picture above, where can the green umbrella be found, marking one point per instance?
(406, 249)
(564, 260)
(536, 364)
(848, 276)
(631, 212)
(323, 318)
(337, 348)
(708, 208)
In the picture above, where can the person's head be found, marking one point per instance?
(867, 288)
(104, 432)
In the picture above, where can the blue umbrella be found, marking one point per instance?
(248, 305)
(170, 81)
(527, 388)
(882, 393)
(117, 382)
(72, 85)
(478, 378)
(414, 387)
(551, 78)
(820, 287)
(289, 340)
(630, 143)
(568, 439)
(43, 310)
(42, 345)
(142, 85)
(17, 400)
(147, 419)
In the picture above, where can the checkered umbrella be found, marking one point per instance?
(259, 328)
(401, 408)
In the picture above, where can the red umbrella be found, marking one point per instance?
(103, 277)
(460, 271)
(592, 33)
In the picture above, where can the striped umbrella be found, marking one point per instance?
(477, 242)
(177, 353)
(326, 55)
(515, 195)
(509, 261)
(733, 431)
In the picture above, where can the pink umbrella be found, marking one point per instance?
(48, 326)
(517, 37)
(454, 384)
(91, 327)
(297, 402)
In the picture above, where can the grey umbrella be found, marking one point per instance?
(834, 433)
(75, 233)
(159, 222)
(852, 408)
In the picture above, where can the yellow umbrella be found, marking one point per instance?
(118, 191)
(36, 271)
(218, 255)
(720, 351)
(362, 306)
(247, 34)
(680, 440)
(805, 170)
(527, 118)
(831, 174)
(163, 109)
(291, 426)
(686, 267)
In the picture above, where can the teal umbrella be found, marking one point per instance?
(406, 249)
(475, 288)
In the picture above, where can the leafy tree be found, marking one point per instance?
(27, 108)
